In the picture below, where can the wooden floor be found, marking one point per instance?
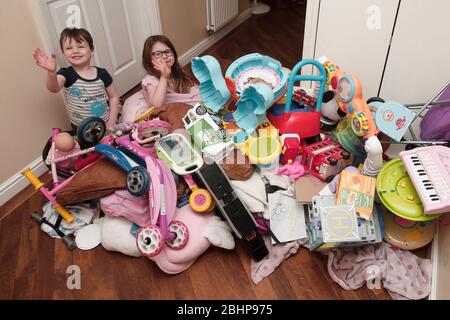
(33, 265)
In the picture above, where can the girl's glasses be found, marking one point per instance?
(158, 54)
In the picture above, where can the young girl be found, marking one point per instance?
(166, 81)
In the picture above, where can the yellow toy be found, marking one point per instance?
(263, 149)
(49, 194)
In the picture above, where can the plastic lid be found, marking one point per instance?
(88, 237)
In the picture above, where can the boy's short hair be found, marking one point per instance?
(78, 34)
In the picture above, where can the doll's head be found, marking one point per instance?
(64, 142)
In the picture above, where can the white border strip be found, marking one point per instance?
(310, 33)
(18, 182)
(203, 45)
(434, 264)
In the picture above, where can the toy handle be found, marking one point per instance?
(293, 77)
(190, 182)
(64, 213)
(70, 242)
(145, 114)
(32, 178)
(36, 217)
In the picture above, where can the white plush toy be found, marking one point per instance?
(204, 230)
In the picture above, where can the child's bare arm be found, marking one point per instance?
(54, 82)
(157, 95)
(114, 105)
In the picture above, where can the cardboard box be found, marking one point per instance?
(306, 187)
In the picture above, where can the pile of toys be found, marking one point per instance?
(263, 112)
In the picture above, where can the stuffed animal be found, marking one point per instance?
(204, 231)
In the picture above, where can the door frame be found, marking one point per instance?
(310, 33)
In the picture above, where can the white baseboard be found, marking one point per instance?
(434, 264)
(195, 51)
(18, 182)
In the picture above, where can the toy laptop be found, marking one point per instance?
(331, 225)
(392, 118)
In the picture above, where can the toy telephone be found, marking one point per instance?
(349, 96)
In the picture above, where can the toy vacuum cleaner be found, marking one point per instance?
(232, 208)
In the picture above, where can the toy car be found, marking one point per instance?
(303, 99)
(325, 159)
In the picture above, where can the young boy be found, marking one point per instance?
(87, 89)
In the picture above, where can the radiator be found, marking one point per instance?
(219, 13)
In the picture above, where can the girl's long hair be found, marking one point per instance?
(183, 82)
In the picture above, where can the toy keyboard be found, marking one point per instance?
(429, 170)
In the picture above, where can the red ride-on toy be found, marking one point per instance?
(300, 119)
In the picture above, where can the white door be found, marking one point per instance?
(118, 27)
(354, 34)
(418, 65)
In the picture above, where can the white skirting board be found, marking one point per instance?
(434, 263)
(203, 45)
(18, 182)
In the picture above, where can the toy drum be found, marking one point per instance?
(406, 234)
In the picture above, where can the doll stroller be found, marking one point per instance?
(395, 120)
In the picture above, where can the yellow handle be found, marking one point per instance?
(145, 114)
(64, 213)
(32, 178)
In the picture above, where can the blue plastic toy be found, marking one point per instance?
(213, 89)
